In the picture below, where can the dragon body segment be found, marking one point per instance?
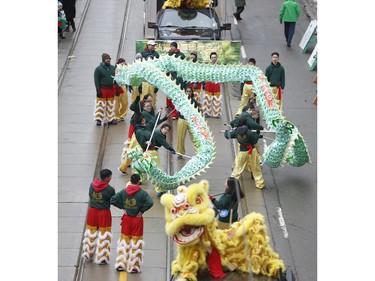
(288, 146)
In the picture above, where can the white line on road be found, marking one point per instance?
(243, 52)
(282, 222)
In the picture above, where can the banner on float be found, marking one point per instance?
(313, 58)
(227, 51)
(309, 33)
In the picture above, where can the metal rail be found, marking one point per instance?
(81, 262)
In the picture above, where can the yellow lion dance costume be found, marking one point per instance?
(190, 220)
(189, 4)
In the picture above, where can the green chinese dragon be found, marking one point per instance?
(288, 147)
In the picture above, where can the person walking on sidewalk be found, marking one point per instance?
(97, 237)
(106, 88)
(240, 4)
(275, 74)
(289, 13)
(70, 12)
(135, 202)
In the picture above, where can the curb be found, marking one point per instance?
(307, 10)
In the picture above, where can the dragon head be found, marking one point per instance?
(188, 213)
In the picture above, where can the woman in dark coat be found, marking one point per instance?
(69, 7)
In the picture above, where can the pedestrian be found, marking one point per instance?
(106, 88)
(289, 13)
(98, 235)
(211, 106)
(247, 156)
(70, 12)
(240, 4)
(149, 53)
(196, 86)
(121, 97)
(135, 202)
(183, 126)
(246, 90)
(275, 74)
(228, 203)
(174, 51)
(61, 20)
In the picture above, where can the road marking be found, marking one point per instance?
(282, 222)
(243, 52)
(123, 276)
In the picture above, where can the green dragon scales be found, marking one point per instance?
(288, 147)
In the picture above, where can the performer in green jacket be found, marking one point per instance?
(228, 203)
(134, 201)
(247, 157)
(275, 74)
(97, 237)
(106, 88)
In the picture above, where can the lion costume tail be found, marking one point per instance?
(263, 259)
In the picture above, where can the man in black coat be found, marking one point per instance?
(70, 12)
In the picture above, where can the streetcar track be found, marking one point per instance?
(81, 262)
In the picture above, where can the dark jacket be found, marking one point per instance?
(276, 75)
(244, 136)
(133, 200)
(103, 76)
(69, 7)
(240, 3)
(146, 53)
(161, 140)
(100, 193)
(251, 124)
(226, 202)
(143, 134)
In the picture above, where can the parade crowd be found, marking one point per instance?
(112, 106)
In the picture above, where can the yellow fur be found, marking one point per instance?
(191, 208)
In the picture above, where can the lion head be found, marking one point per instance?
(188, 212)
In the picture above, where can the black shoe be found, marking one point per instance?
(288, 45)
(237, 17)
(74, 29)
(113, 122)
(62, 37)
(124, 173)
(98, 123)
